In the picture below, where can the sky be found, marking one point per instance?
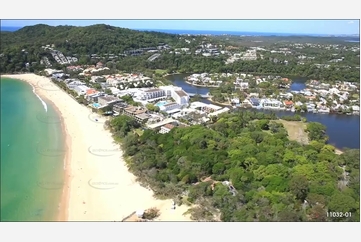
(327, 27)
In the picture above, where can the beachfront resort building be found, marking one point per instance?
(181, 97)
(177, 93)
(151, 94)
(138, 113)
(81, 89)
(170, 107)
(108, 100)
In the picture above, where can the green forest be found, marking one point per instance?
(271, 177)
(24, 46)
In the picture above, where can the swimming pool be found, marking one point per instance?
(161, 103)
(96, 105)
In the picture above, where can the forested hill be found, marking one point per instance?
(98, 38)
(271, 178)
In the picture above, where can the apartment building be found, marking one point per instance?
(170, 107)
(180, 97)
(152, 94)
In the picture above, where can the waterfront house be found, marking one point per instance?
(254, 94)
(311, 107)
(71, 84)
(50, 72)
(288, 104)
(93, 98)
(287, 95)
(246, 103)
(356, 109)
(59, 75)
(81, 89)
(91, 91)
(271, 103)
(254, 102)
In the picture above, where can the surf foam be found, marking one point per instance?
(41, 100)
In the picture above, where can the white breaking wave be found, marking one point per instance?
(41, 100)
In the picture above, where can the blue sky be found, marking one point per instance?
(271, 26)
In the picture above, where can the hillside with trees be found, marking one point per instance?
(243, 167)
(95, 39)
(24, 46)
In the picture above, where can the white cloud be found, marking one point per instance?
(350, 22)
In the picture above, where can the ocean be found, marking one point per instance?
(32, 155)
(216, 32)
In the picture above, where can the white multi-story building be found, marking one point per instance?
(177, 93)
(169, 107)
(151, 94)
(180, 96)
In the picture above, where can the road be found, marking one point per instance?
(153, 57)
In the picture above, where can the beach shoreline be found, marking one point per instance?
(81, 200)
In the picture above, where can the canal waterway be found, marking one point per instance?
(343, 131)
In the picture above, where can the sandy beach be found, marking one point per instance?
(98, 185)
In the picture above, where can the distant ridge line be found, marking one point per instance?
(210, 32)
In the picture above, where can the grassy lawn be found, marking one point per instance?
(355, 95)
(139, 132)
(160, 71)
(296, 130)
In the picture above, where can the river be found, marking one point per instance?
(343, 131)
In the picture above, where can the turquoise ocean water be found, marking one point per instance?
(32, 155)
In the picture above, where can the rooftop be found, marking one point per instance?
(169, 126)
(169, 104)
(91, 91)
(143, 116)
(181, 93)
(135, 110)
(153, 90)
(109, 98)
(212, 106)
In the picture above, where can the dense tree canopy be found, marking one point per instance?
(272, 178)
